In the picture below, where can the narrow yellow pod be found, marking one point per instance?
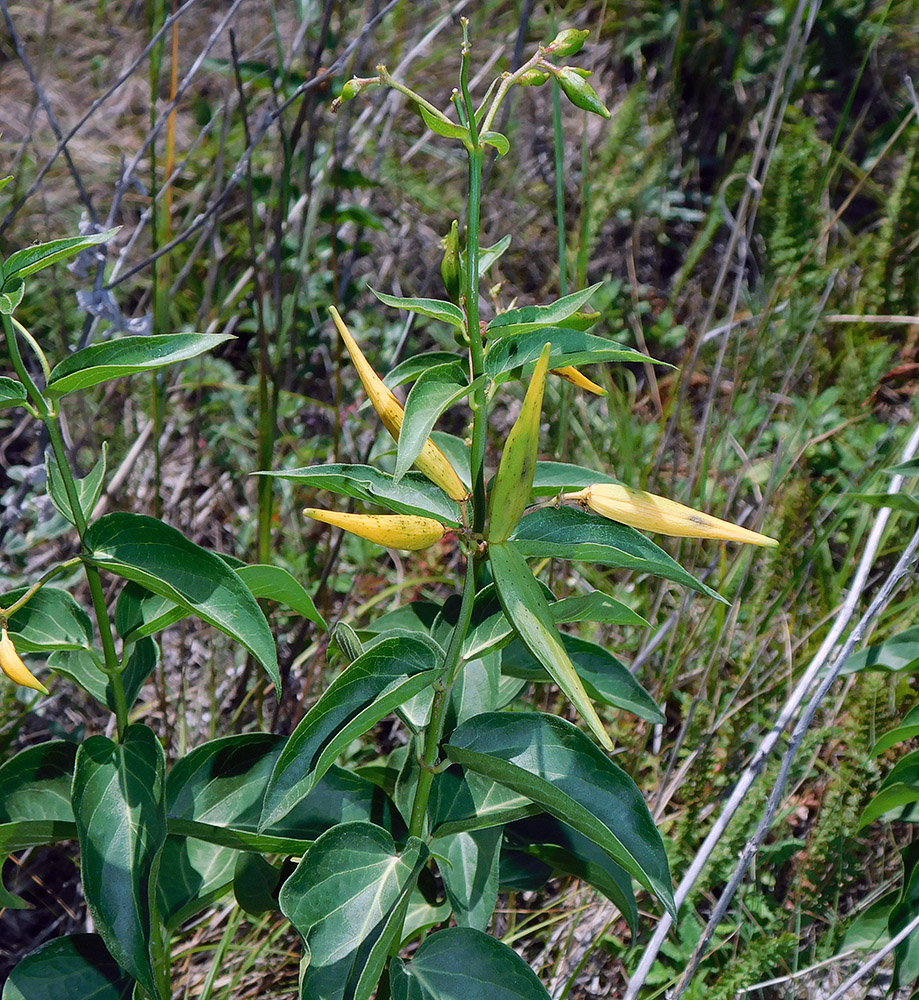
(514, 478)
(570, 374)
(394, 531)
(431, 461)
(11, 664)
(650, 512)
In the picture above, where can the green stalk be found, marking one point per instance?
(559, 157)
(48, 416)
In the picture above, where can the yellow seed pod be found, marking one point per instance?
(650, 512)
(11, 664)
(394, 531)
(514, 479)
(576, 378)
(431, 461)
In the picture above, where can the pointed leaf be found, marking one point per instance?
(571, 853)
(529, 318)
(447, 312)
(345, 900)
(163, 560)
(569, 347)
(51, 620)
(436, 390)
(555, 764)
(528, 611)
(25, 262)
(415, 494)
(898, 653)
(274, 583)
(139, 612)
(89, 488)
(11, 295)
(443, 126)
(127, 356)
(218, 790)
(497, 140)
(571, 533)
(558, 477)
(12, 392)
(121, 821)
(35, 783)
(461, 963)
(904, 502)
(605, 678)
(489, 255)
(469, 870)
(375, 684)
(409, 369)
(78, 965)
(465, 801)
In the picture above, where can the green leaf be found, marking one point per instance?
(35, 783)
(469, 870)
(441, 125)
(465, 801)
(903, 502)
(415, 494)
(163, 560)
(529, 318)
(462, 963)
(274, 583)
(139, 612)
(409, 369)
(345, 899)
(11, 295)
(491, 630)
(85, 669)
(497, 140)
(898, 735)
(490, 255)
(214, 798)
(910, 468)
(51, 620)
(26, 833)
(22, 263)
(556, 477)
(127, 356)
(78, 965)
(569, 347)
(457, 452)
(438, 309)
(555, 764)
(528, 611)
(120, 812)
(436, 390)
(888, 800)
(9, 900)
(89, 488)
(604, 677)
(568, 852)
(12, 392)
(255, 884)
(572, 533)
(375, 684)
(898, 653)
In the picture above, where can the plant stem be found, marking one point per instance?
(470, 303)
(48, 416)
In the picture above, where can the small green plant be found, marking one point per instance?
(409, 850)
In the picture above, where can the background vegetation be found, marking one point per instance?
(753, 210)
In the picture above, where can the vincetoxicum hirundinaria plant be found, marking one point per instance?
(405, 856)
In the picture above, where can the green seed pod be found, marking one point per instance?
(532, 78)
(580, 92)
(450, 267)
(567, 42)
(511, 490)
(357, 85)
